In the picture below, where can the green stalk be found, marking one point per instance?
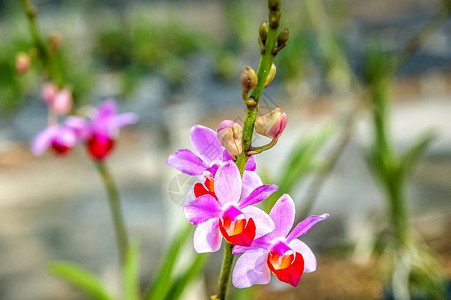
(266, 61)
(115, 206)
(30, 12)
(225, 272)
(43, 52)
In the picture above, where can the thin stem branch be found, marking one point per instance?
(115, 206)
(257, 150)
(30, 12)
(43, 51)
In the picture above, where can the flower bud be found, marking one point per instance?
(54, 42)
(272, 73)
(263, 31)
(23, 62)
(229, 135)
(282, 38)
(49, 92)
(272, 124)
(62, 102)
(248, 78)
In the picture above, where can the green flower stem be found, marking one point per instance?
(115, 206)
(266, 61)
(30, 12)
(225, 272)
(260, 149)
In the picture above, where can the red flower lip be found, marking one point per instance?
(238, 232)
(99, 148)
(288, 268)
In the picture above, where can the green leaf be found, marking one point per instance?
(85, 281)
(301, 163)
(411, 157)
(159, 288)
(131, 273)
(179, 285)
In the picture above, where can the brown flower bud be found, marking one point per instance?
(263, 31)
(248, 78)
(282, 38)
(272, 124)
(229, 135)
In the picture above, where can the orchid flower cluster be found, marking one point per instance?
(222, 205)
(98, 133)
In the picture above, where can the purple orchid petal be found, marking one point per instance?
(187, 162)
(206, 143)
(304, 226)
(258, 195)
(263, 222)
(232, 212)
(228, 183)
(121, 120)
(80, 126)
(226, 156)
(202, 209)
(251, 181)
(207, 237)
(310, 263)
(251, 268)
(65, 136)
(282, 214)
(213, 169)
(259, 243)
(43, 140)
(105, 111)
(251, 164)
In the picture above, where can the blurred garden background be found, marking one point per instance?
(360, 81)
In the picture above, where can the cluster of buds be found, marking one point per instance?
(59, 101)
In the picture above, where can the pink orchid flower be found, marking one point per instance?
(222, 210)
(102, 130)
(60, 138)
(279, 252)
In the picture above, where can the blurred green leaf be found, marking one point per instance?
(411, 157)
(160, 286)
(131, 273)
(85, 281)
(190, 274)
(302, 161)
